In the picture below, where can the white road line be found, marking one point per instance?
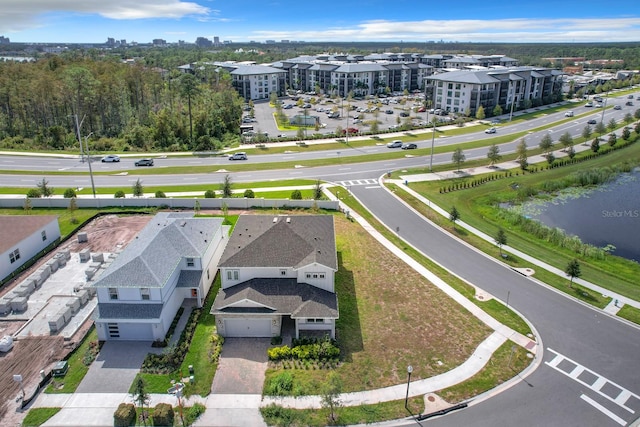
(599, 383)
(604, 410)
(575, 373)
(374, 186)
(344, 169)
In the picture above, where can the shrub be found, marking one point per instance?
(34, 193)
(125, 415)
(119, 194)
(162, 415)
(248, 193)
(209, 194)
(193, 413)
(296, 195)
(69, 193)
(160, 194)
(280, 385)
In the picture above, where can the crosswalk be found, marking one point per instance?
(358, 182)
(595, 382)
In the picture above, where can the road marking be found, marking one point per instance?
(344, 169)
(604, 410)
(621, 399)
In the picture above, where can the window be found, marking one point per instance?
(232, 274)
(315, 320)
(113, 293)
(44, 235)
(283, 272)
(145, 294)
(321, 275)
(190, 262)
(14, 256)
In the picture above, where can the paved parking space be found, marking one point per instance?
(242, 366)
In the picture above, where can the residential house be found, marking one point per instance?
(174, 258)
(23, 237)
(278, 277)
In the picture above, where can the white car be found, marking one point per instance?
(491, 130)
(241, 155)
(395, 144)
(111, 158)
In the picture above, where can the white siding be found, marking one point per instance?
(315, 272)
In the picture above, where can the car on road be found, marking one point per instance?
(409, 146)
(491, 130)
(589, 104)
(629, 104)
(568, 114)
(241, 155)
(144, 162)
(592, 122)
(111, 158)
(630, 97)
(598, 105)
(396, 143)
(617, 107)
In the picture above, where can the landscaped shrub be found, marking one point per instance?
(69, 193)
(34, 193)
(209, 194)
(162, 415)
(305, 349)
(280, 385)
(296, 195)
(125, 415)
(160, 194)
(193, 413)
(119, 194)
(248, 193)
(216, 347)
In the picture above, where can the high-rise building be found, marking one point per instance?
(203, 42)
(216, 41)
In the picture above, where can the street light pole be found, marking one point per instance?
(433, 140)
(406, 399)
(86, 143)
(78, 126)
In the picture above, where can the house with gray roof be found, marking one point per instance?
(174, 258)
(277, 276)
(23, 237)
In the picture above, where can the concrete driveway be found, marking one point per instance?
(116, 367)
(243, 362)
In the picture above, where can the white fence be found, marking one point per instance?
(186, 203)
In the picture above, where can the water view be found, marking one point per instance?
(607, 215)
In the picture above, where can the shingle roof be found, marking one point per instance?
(278, 296)
(15, 228)
(291, 241)
(152, 257)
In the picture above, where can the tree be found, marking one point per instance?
(227, 187)
(628, 118)
(612, 125)
(550, 158)
(73, 207)
(196, 207)
(595, 145)
(521, 151)
(636, 113)
(501, 239)
(249, 194)
(573, 270)
(317, 190)
(454, 215)
(137, 189)
(330, 396)
(27, 205)
(189, 88)
(493, 154)
(612, 139)
(626, 133)
(566, 140)
(586, 132)
(160, 195)
(45, 190)
(458, 157)
(571, 152)
(546, 143)
(296, 195)
(600, 128)
(69, 193)
(210, 194)
(480, 115)
(497, 110)
(141, 397)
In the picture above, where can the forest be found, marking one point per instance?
(148, 105)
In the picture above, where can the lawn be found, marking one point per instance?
(79, 363)
(37, 416)
(381, 328)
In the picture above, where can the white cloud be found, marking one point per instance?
(19, 15)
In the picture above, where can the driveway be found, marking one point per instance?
(243, 362)
(116, 367)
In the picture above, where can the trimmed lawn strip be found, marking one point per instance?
(630, 313)
(377, 295)
(347, 415)
(38, 416)
(77, 369)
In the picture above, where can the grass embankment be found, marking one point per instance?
(38, 416)
(478, 207)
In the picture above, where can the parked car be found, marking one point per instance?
(241, 155)
(409, 146)
(288, 106)
(144, 162)
(388, 111)
(592, 122)
(393, 127)
(110, 158)
(422, 110)
(404, 114)
(617, 107)
(396, 143)
(491, 130)
(495, 122)
(350, 130)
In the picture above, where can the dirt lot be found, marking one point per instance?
(109, 233)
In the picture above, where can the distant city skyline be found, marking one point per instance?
(94, 21)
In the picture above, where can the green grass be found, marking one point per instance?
(630, 313)
(38, 416)
(77, 368)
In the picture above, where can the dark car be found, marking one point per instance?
(404, 114)
(592, 122)
(388, 111)
(629, 104)
(238, 156)
(409, 146)
(144, 162)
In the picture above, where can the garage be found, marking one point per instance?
(127, 332)
(245, 327)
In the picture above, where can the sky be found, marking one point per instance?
(93, 21)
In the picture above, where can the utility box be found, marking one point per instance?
(60, 369)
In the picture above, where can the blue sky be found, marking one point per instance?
(93, 21)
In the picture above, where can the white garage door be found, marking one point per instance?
(247, 327)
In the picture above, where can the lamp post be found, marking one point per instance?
(406, 399)
(513, 101)
(604, 107)
(78, 126)
(86, 143)
(433, 140)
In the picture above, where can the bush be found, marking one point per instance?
(34, 193)
(248, 193)
(125, 415)
(69, 193)
(209, 194)
(119, 194)
(160, 195)
(162, 415)
(280, 385)
(193, 413)
(296, 195)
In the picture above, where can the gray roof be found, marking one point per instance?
(278, 296)
(290, 241)
(128, 311)
(152, 257)
(359, 68)
(16, 228)
(486, 76)
(250, 70)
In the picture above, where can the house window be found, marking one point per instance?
(113, 293)
(145, 294)
(232, 274)
(283, 272)
(321, 275)
(14, 256)
(190, 262)
(315, 320)
(44, 235)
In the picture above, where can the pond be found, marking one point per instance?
(606, 215)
